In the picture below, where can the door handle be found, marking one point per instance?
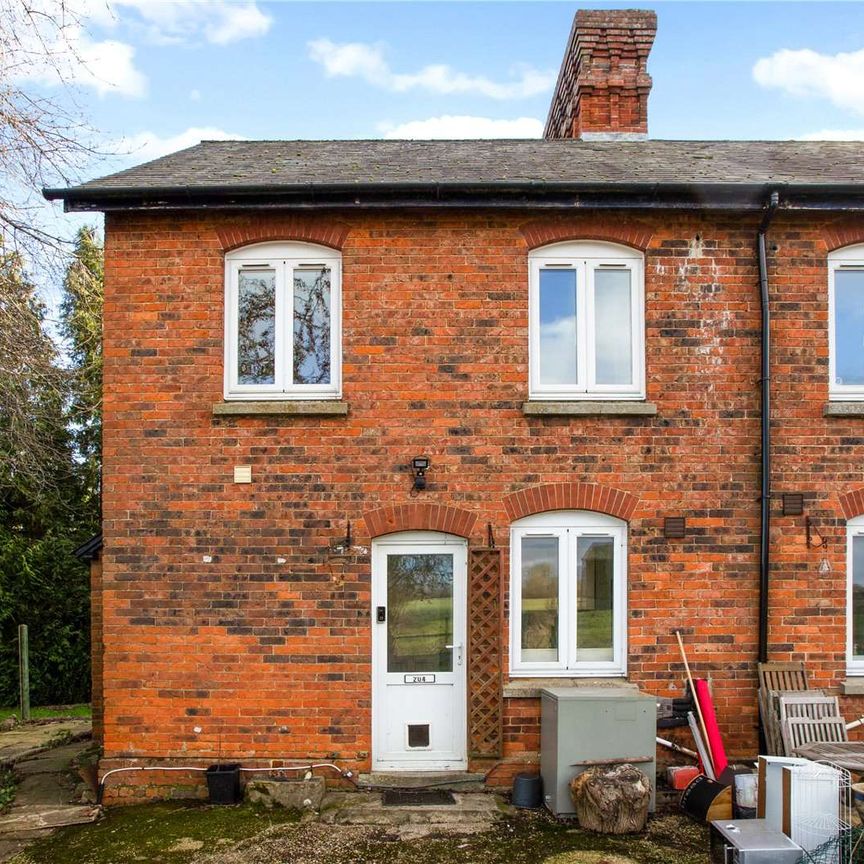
(458, 648)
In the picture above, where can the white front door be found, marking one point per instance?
(418, 652)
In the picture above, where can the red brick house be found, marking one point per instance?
(368, 530)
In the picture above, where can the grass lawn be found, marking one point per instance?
(49, 712)
(166, 833)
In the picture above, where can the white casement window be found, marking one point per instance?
(846, 323)
(586, 322)
(283, 313)
(568, 595)
(855, 596)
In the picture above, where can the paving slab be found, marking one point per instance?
(472, 812)
(30, 739)
(47, 795)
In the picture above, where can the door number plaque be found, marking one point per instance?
(419, 679)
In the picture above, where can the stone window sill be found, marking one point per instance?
(529, 688)
(852, 686)
(295, 408)
(843, 409)
(589, 409)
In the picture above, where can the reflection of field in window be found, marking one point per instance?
(539, 599)
(594, 597)
(419, 613)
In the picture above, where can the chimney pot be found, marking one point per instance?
(603, 86)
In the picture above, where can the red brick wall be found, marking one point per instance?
(271, 660)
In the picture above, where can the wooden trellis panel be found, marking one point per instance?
(485, 734)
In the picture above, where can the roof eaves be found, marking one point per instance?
(89, 549)
(507, 193)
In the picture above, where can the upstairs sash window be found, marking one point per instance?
(846, 323)
(282, 322)
(586, 322)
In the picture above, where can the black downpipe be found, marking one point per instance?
(765, 497)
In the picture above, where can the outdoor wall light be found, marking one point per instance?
(816, 541)
(420, 465)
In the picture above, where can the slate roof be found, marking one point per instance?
(271, 167)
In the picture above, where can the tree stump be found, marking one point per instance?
(611, 799)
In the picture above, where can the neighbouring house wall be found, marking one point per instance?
(271, 661)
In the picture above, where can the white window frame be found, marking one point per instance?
(568, 526)
(284, 258)
(854, 528)
(848, 258)
(585, 258)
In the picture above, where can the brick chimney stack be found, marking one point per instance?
(603, 86)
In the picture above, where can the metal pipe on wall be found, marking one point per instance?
(765, 415)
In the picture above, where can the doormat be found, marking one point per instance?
(416, 798)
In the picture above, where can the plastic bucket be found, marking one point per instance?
(528, 791)
(223, 784)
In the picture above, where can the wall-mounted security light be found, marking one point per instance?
(420, 465)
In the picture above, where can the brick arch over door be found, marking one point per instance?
(326, 232)
(570, 496)
(544, 231)
(419, 517)
(853, 503)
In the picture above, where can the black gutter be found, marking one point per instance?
(765, 497)
(489, 195)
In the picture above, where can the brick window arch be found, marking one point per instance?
(541, 232)
(852, 503)
(419, 517)
(570, 496)
(330, 233)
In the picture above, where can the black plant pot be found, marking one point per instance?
(223, 784)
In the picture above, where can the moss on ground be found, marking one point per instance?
(162, 833)
(7, 788)
(166, 833)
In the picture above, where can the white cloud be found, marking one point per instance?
(449, 126)
(218, 21)
(365, 61)
(49, 51)
(835, 135)
(195, 95)
(145, 146)
(838, 78)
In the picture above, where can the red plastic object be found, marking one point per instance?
(715, 740)
(681, 776)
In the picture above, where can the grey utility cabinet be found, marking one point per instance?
(593, 723)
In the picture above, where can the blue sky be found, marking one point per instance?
(162, 74)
